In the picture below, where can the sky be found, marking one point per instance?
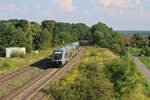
(118, 14)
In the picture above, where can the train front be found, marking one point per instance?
(57, 57)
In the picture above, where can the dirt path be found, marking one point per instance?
(142, 67)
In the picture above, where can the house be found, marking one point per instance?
(129, 43)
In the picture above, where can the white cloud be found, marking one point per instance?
(12, 7)
(143, 12)
(121, 7)
(25, 10)
(45, 12)
(66, 5)
(37, 6)
(120, 3)
(87, 12)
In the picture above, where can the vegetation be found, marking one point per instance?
(17, 54)
(101, 75)
(146, 61)
(127, 36)
(107, 38)
(134, 51)
(91, 83)
(33, 36)
(142, 50)
(18, 82)
(122, 73)
(138, 52)
(11, 64)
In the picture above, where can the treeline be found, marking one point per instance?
(35, 36)
(143, 42)
(107, 38)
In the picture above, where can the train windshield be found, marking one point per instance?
(57, 55)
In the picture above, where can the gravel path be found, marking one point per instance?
(142, 67)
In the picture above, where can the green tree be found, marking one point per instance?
(139, 39)
(107, 38)
(24, 24)
(49, 25)
(122, 73)
(44, 39)
(90, 84)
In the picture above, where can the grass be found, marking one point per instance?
(134, 51)
(19, 82)
(102, 55)
(13, 83)
(4, 92)
(145, 60)
(92, 53)
(143, 91)
(35, 72)
(11, 64)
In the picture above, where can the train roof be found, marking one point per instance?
(66, 48)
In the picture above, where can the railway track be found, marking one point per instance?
(27, 91)
(18, 72)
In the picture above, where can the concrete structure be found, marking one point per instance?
(10, 50)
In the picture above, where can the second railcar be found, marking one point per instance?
(63, 55)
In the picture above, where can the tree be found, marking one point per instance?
(24, 24)
(98, 37)
(107, 38)
(49, 25)
(139, 39)
(146, 51)
(82, 31)
(122, 73)
(44, 39)
(90, 84)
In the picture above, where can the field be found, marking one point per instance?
(11, 64)
(127, 36)
(146, 61)
(94, 55)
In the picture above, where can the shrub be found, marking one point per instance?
(146, 51)
(17, 54)
(91, 84)
(5, 65)
(122, 73)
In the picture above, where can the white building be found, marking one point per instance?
(10, 50)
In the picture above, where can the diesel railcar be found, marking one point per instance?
(63, 55)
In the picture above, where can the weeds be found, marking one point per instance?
(17, 54)
(5, 65)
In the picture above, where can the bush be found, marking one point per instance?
(5, 65)
(122, 73)
(17, 54)
(91, 84)
(146, 51)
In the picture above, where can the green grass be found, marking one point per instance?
(18, 82)
(101, 56)
(91, 54)
(134, 51)
(11, 64)
(143, 91)
(4, 92)
(145, 60)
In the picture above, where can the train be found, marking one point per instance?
(61, 56)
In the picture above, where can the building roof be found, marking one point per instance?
(129, 42)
